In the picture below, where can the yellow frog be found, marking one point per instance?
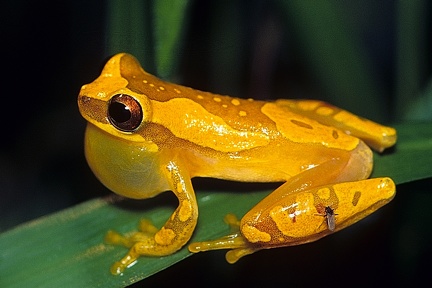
(146, 136)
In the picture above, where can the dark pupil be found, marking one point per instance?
(119, 112)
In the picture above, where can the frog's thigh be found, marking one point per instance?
(349, 166)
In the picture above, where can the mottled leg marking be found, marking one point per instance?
(375, 135)
(172, 236)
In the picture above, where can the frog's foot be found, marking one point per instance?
(235, 241)
(146, 230)
(149, 241)
(131, 257)
(145, 235)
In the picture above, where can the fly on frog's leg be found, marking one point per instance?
(175, 232)
(329, 216)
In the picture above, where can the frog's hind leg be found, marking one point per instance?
(352, 166)
(375, 135)
(296, 219)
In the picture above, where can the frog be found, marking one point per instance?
(145, 136)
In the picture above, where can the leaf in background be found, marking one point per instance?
(129, 30)
(419, 108)
(410, 159)
(412, 54)
(66, 248)
(334, 52)
(150, 30)
(169, 18)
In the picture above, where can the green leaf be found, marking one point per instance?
(340, 64)
(152, 31)
(410, 159)
(129, 30)
(412, 53)
(419, 109)
(67, 249)
(169, 22)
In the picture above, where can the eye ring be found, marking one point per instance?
(124, 112)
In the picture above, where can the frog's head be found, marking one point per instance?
(117, 114)
(111, 105)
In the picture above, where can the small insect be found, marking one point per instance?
(329, 215)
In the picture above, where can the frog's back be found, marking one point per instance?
(232, 120)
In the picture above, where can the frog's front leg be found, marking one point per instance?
(295, 218)
(175, 232)
(146, 230)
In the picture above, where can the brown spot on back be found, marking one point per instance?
(356, 198)
(335, 134)
(301, 124)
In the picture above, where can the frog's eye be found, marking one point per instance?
(124, 112)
